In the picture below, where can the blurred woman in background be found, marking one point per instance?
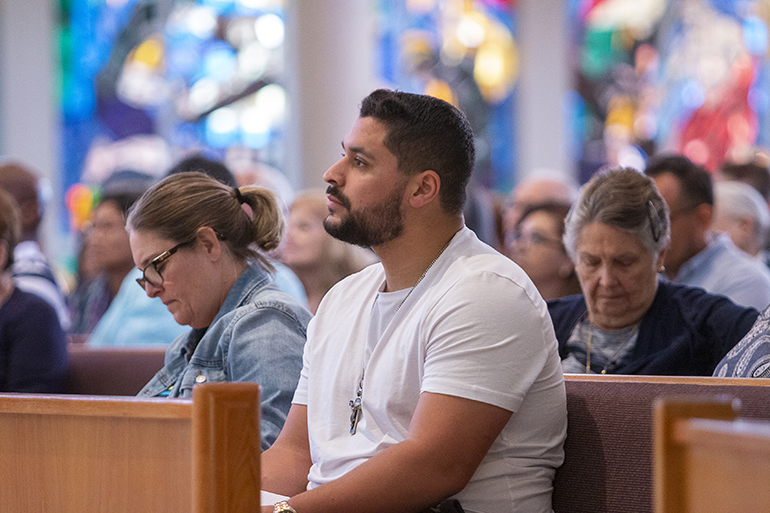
(318, 259)
(110, 309)
(536, 245)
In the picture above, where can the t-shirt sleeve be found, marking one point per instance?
(488, 341)
(300, 394)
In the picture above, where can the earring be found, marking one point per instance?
(662, 269)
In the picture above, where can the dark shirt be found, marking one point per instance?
(87, 304)
(33, 348)
(685, 332)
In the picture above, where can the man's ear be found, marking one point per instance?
(208, 239)
(704, 213)
(425, 188)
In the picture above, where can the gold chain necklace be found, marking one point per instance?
(614, 356)
(356, 405)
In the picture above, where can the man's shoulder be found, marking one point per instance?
(468, 256)
(485, 284)
(729, 259)
(696, 305)
(354, 287)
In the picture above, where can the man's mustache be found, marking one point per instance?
(334, 192)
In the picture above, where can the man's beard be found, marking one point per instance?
(370, 226)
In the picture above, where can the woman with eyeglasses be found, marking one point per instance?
(197, 243)
(536, 245)
(628, 320)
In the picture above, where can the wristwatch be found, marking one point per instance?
(283, 507)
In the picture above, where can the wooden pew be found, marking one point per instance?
(707, 462)
(75, 453)
(609, 447)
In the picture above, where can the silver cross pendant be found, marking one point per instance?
(356, 408)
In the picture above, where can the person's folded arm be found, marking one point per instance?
(447, 440)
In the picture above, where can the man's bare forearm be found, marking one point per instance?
(435, 462)
(286, 464)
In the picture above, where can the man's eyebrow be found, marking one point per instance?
(357, 149)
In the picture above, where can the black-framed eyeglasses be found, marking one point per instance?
(151, 273)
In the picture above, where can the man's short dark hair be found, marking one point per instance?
(426, 133)
(752, 173)
(695, 182)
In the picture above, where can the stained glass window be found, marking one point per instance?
(145, 81)
(681, 75)
(464, 52)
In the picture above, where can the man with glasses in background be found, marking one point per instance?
(696, 256)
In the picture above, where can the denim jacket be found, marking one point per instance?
(258, 335)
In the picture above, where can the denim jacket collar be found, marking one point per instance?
(178, 356)
(250, 281)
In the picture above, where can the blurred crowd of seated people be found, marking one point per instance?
(31, 270)
(33, 354)
(105, 305)
(718, 227)
(711, 274)
(698, 256)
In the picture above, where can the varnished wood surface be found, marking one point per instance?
(669, 456)
(227, 443)
(104, 454)
(83, 463)
(727, 466)
(80, 405)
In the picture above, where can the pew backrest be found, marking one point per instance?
(85, 453)
(111, 370)
(608, 450)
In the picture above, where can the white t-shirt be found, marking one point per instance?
(475, 327)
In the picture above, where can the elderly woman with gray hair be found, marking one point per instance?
(628, 320)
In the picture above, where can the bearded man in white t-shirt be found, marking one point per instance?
(433, 375)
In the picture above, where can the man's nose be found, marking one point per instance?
(334, 175)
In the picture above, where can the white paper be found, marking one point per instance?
(270, 498)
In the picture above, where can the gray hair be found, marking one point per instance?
(737, 200)
(622, 198)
